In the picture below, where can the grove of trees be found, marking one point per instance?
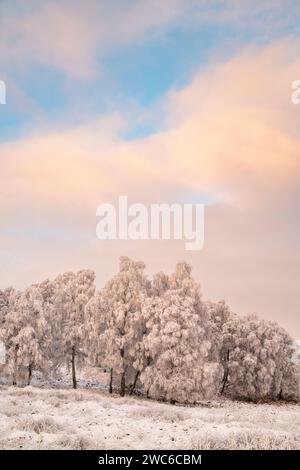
(156, 336)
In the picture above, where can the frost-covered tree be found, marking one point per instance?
(296, 352)
(159, 335)
(291, 381)
(25, 334)
(6, 296)
(96, 323)
(160, 284)
(72, 293)
(179, 342)
(121, 304)
(46, 289)
(48, 295)
(259, 359)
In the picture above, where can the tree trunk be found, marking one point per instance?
(134, 382)
(111, 381)
(123, 376)
(73, 368)
(148, 364)
(123, 384)
(29, 374)
(225, 379)
(14, 381)
(226, 373)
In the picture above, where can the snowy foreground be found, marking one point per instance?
(35, 418)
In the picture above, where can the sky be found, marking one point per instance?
(180, 101)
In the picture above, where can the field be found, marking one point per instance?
(49, 418)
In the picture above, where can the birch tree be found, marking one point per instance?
(123, 297)
(179, 342)
(95, 339)
(260, 359)
(6, 297)
(26, 334)
(72, 293)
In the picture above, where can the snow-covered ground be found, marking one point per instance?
(41, 418)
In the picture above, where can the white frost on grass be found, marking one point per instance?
(33, 418)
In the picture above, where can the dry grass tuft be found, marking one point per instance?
(170, 415)
(74, 443)
(245, 441)
(38, 425)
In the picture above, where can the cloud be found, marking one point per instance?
(233, 128)
(74, 37)
(71, 36)
(236, 121)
